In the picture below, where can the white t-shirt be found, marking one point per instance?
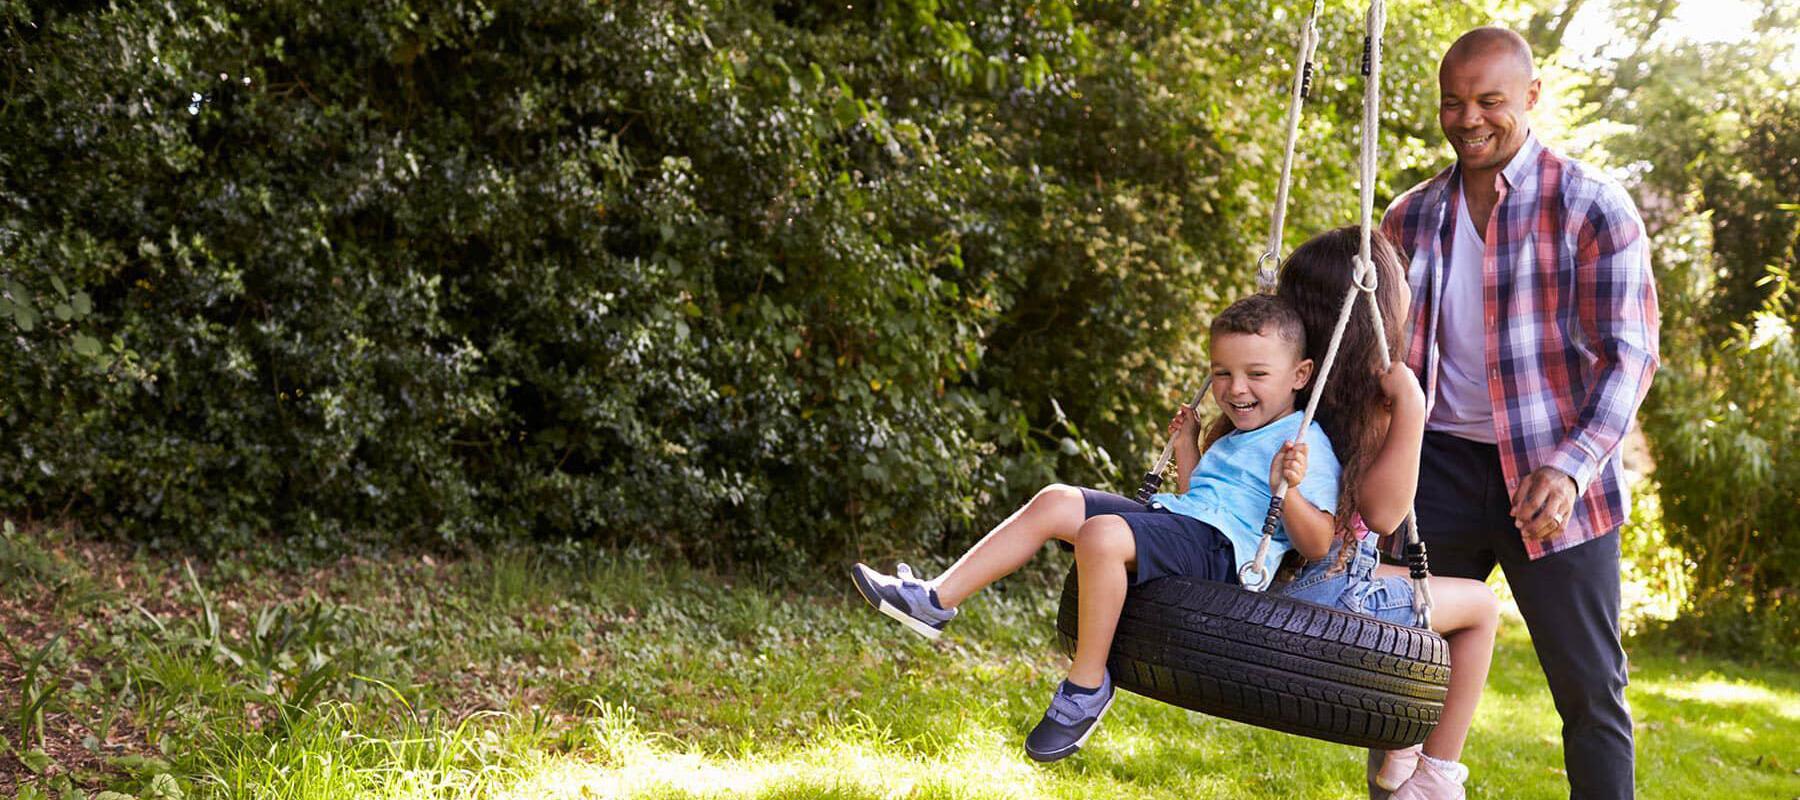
(1463, 408)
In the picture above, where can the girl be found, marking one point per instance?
(1208, 530)
(1376, 421)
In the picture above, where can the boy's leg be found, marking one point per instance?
(1104, 552)
(1056, 512)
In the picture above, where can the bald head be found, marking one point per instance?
(1486, 90)
(1494, 48)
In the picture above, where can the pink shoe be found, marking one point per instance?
(1397, 767)
(1434, 780)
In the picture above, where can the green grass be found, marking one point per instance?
(563, 673)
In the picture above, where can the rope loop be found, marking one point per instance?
(1365, 277)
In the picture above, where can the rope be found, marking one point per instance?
(1375, 23)
(1271, 255)
(1270, 520)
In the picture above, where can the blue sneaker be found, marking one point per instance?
(904, 598)
(1069, 722)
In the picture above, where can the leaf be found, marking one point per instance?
(164, 787)
(57, 284)
(86, 345)
(64, 311)
(36, 760)
(846, 111)
(24, 316)
(83, 304)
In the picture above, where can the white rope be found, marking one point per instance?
(1375, 23)
(1271, 255)
(1255, 566)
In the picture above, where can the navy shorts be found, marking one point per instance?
(1167, 543)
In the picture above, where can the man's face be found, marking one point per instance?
(1483, 99)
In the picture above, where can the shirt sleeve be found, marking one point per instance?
(1615, 298)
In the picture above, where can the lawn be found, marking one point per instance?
(560, 672)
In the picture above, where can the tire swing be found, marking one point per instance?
(1238, 652)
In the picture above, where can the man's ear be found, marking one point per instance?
(1303, 374)
(1531, 95)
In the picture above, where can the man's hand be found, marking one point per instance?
(1542, 505)
(1289, 465)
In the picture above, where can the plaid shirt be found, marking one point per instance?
(1571, 321)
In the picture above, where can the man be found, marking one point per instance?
(1534, 330)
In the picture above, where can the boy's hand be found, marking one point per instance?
(1289, 465)
(1185, 429)
(1401, 387)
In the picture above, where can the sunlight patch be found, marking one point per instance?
(1722, 692)
(642, 768)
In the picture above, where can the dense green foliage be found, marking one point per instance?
(761, 281)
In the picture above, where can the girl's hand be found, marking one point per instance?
(1401, 387)
(1289, 465)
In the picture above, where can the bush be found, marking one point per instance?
(756, 282)
(1719, 420)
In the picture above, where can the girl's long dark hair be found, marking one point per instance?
(1352, 410)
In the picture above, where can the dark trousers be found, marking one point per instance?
(1570, 601)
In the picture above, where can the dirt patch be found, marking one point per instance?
(62, 743)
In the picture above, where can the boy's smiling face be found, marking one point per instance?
(1255, 376)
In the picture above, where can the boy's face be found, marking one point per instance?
(1255, 376)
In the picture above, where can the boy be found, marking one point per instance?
(1209, 528)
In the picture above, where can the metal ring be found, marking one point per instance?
(1265, 278)
(1252, 568)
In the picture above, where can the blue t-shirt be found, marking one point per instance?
(1229, 489)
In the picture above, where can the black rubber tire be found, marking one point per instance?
(1274, 662)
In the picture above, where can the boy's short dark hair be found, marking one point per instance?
(1260, 312)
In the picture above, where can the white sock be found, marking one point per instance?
(1454, 770)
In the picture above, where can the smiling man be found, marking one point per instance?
(1534, 331)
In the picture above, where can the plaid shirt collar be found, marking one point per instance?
(1519, 173)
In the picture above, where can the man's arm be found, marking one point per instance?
(1615, 301)
(1615, 297)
